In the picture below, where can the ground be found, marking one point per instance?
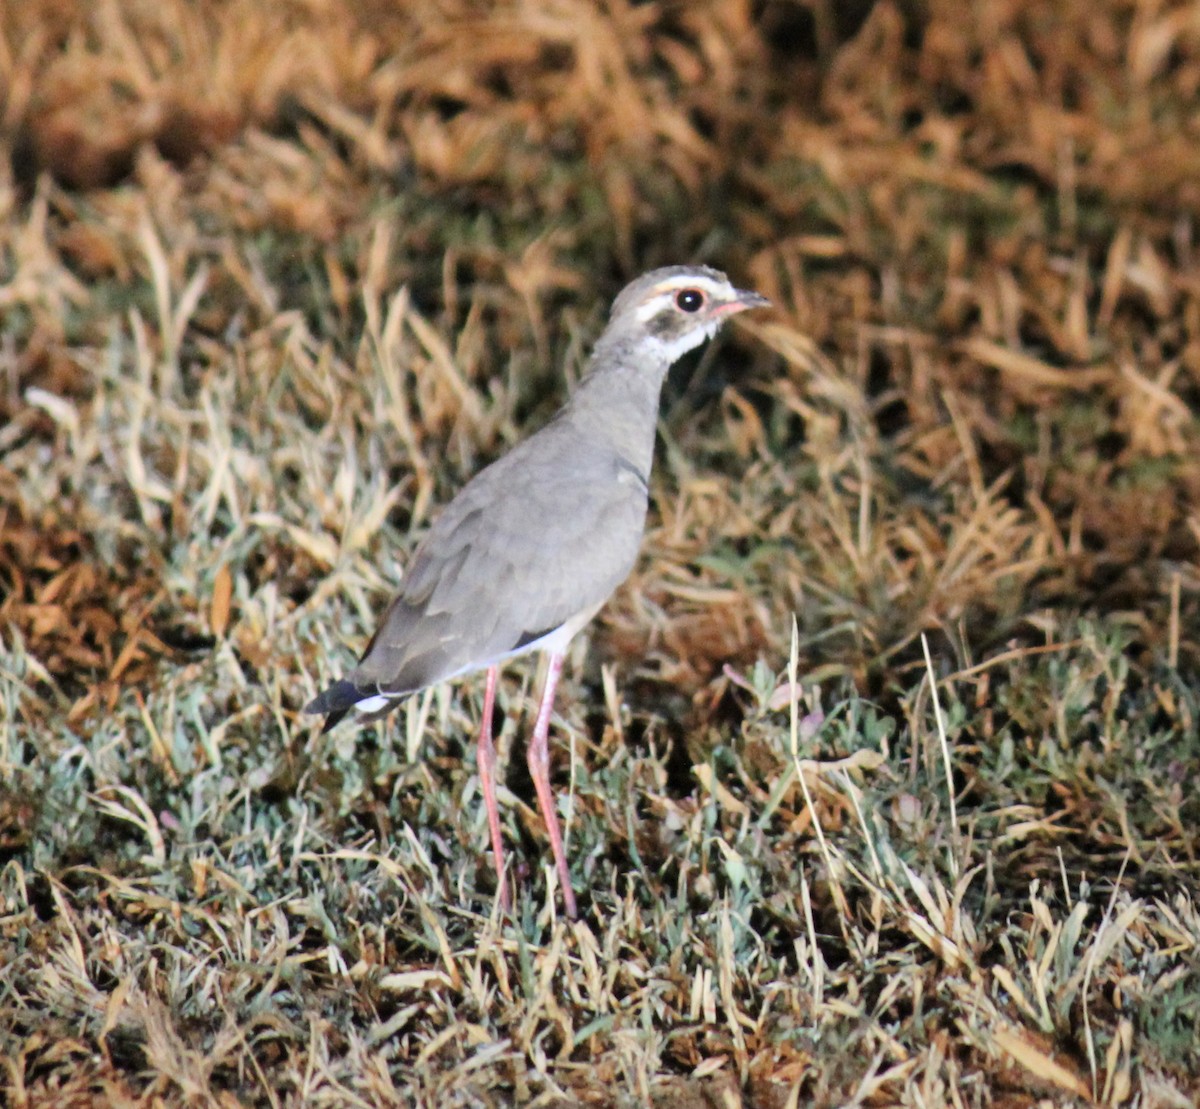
(880, 773)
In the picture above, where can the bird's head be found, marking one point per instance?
(676, 308)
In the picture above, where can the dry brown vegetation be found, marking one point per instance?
(276, 277)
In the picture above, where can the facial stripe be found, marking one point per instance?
(662, 296)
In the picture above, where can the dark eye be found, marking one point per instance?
(689, 300)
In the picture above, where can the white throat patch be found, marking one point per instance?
(675, 348)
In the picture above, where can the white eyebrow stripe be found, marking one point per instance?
(662, 294)
(653, 306)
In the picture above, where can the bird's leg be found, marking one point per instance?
(539, 769)
(487, 779)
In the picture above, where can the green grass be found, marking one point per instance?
(288, 282)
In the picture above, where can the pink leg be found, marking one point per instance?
(539, 768)
(487, 779)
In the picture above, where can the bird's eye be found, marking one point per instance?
(689, 300)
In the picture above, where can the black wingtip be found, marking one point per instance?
(335, 702)
(333, 719)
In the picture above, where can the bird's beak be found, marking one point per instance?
(743, 300)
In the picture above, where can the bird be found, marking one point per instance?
(527, 552)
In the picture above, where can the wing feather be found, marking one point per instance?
(520, 551)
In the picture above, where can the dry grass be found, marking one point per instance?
(275, 278)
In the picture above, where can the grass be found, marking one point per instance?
(878, 774)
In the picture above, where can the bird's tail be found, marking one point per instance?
(338, 699)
